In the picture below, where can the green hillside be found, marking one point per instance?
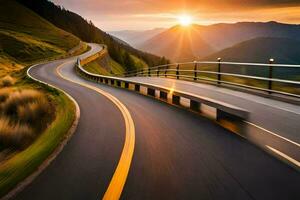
(87, 31)
(25, 37)
(107, 66)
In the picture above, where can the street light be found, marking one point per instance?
(219, 70)
(271, 61)
(195, 70)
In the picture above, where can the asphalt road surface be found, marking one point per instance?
(177, 155)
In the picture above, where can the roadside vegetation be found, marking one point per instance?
(24, 114)
(107, 66)
(30, 133)
(34, 118)
(86, 31)
(99, 67)
(26, 38)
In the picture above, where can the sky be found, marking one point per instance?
(113, 15)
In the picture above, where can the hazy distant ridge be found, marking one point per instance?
(198, 41)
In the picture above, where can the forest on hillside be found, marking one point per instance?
(88, 32)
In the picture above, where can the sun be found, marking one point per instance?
(185, 20)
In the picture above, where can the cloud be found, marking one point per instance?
(154, 6)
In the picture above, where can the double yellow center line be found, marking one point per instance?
(118, 180)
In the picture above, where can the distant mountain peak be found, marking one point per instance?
(200, 40)
(178, 43)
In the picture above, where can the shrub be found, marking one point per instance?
(23, 114)
(33, 111)
(19, 98)
(4, 93)
(7, 81)
(14, 135)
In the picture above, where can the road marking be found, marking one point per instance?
(288, 140)
(292, 160)
(118, 180)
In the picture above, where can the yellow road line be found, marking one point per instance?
(292, 160)
(118, 180)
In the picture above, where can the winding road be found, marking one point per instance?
(177, 154)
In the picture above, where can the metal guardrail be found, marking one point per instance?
(192, 71)
(229, 116)
(220, 110)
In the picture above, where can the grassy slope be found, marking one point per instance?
(25, 37)
(85, 30)
(97, 68)
(139, 63)
(24, 163)
(115, 68)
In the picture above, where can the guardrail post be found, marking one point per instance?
(177, 71)
(166, 68)
(195, 70)
(219, 70)
(157, 72)
(149, 71)
(271, 61)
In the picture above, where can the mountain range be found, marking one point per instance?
(198, 42)
(260, 50)
(135, 38)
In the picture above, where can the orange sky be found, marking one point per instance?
(147, 14)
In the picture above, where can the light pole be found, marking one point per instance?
(271, 62)
(195, 70)
(177, 71)
(219, 70)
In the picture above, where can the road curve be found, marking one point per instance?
(84, 168)
(178, 154)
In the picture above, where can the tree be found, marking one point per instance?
(87, 31)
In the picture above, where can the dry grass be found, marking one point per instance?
(7, 81)
(20, 164)
(4, 93)
(15, 135)
(23, 115)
